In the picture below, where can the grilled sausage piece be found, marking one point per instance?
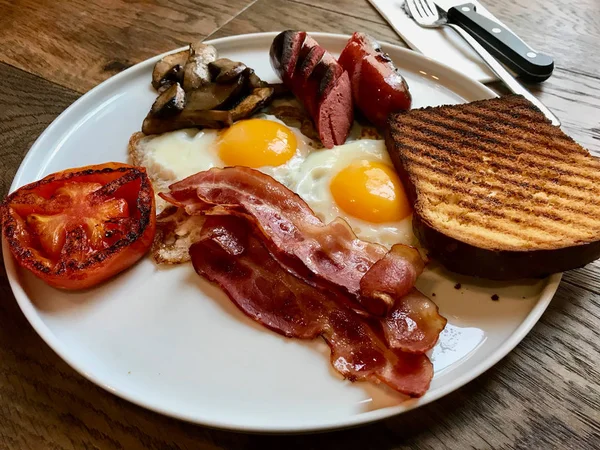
(378, 89)
(318, 81)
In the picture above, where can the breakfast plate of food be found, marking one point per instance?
(289, 232)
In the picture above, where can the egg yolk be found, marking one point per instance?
(370, 191)
(257, 143)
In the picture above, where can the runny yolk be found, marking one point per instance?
(257, 143)
(370, 191)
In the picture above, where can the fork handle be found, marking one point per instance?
(503, 44)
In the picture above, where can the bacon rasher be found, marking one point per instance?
(330, 252)
(302, 278)
(239, 262)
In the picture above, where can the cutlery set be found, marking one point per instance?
(499, 48)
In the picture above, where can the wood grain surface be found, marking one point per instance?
(543, 395)
(78, 43)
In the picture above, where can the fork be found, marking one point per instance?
(429, 15)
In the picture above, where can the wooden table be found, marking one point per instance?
(545, 394)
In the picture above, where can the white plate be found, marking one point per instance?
(171, 342)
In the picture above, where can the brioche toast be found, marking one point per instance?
(498, 192)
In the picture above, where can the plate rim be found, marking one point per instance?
(30, 312)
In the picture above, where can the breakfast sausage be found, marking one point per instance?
(378, 89)
(318, 81)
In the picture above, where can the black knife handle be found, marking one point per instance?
(527, 63)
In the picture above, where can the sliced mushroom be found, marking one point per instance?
(169, 103)
(224, 70)
(169, 69)
(195, 72)
(216, 96)
(254, 80)
(187, 119)
(279, 89)
(255, 101)
(255, 83)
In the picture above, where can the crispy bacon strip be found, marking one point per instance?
(324, 254)
(414, 325)
(400, 263)
(236, 259)
(331, 251)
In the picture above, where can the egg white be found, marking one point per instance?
(173, 156)
(176, 155)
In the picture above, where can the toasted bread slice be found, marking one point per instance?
(498, 192)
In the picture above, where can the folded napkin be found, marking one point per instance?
(442, 44)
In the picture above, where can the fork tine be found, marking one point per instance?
(419, 8)
(427, 11)
(412, 7)
(428, 7)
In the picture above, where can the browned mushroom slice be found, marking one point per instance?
(255, 101)
(195, 72)
(279, 89)
(216, 96)
(255, 82)
(169, 103)
(169, 69)
(224, 70)
(187, 119)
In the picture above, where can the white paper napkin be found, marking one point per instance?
(442, 44)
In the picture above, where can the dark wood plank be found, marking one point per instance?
(358, 9)
(567, 30)
(587, 277)
(80, 43)
(276, 15)
(28, 104)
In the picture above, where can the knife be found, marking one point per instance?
(504, 45)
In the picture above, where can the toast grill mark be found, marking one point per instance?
(518, 186)
(527, 139)
(491, 202)
(501, 160)
(538, 235)
(495, 122)
(500, 200)
(551, 225)
(452, 130)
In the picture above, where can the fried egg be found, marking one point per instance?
(264, 143)
(357, 181)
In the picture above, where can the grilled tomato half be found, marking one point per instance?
(77, 228)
